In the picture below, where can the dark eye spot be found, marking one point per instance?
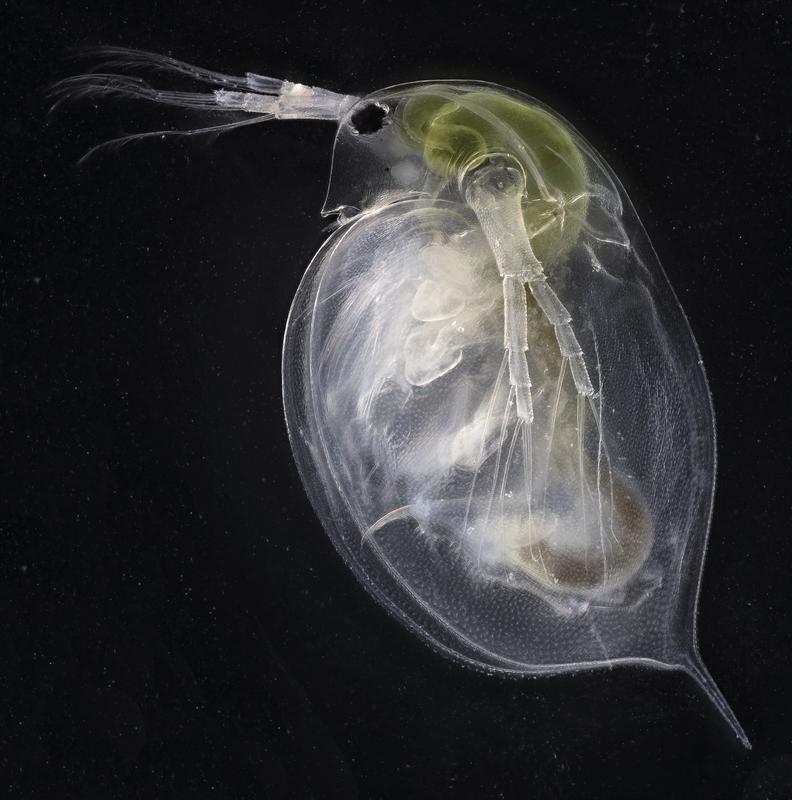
(369, 119)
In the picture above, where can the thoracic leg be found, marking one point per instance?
(515, 342)
(494, 192)
(568, 344)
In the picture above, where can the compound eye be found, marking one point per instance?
(369, 119)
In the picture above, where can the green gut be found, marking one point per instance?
(454, 135)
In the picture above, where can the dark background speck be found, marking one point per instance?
(174, 622)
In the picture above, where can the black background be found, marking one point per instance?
(175, 623)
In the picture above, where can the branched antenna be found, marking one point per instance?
(257, 97)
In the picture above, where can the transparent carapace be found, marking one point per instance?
(495, 401)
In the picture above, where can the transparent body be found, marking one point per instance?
(573, 539)
(495, 401)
